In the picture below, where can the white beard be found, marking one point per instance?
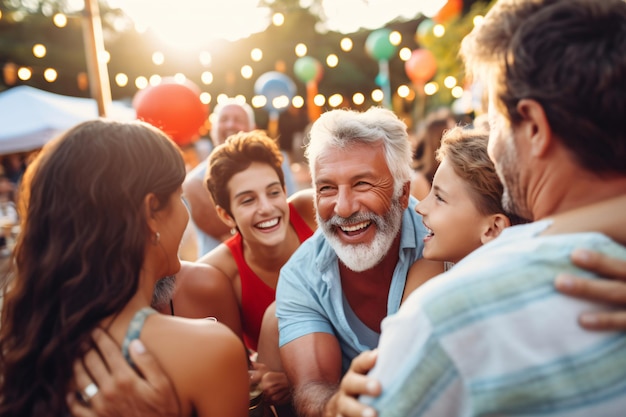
(363, 256)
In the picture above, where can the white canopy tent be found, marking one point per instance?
(30, 117)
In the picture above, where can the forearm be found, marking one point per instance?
(315, 399)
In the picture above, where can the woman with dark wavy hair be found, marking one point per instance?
(102, 220)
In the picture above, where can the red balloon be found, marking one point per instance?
(174, 108)
(421, 66)
(450, 10)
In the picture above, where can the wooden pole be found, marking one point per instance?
(99, 86)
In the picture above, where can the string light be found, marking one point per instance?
(206, 77)
(335, 100)
(256, 54)
(439, 30)
(457, 92)
(332, 60)
(278, 19)
(405, 54)
(395, 38)
(205, 58)
(358, 99)
(59, 20)
(158, 58)
(121, 79)
(404, 91)
(50, 75)
(24, 73)
(39, 50)
(205, 97)
(449, 81)
(301, 50)
(297, 102)
(431, 88)
(141, 82)
(378, 95)
(346, 44)
(247, 72)
(319, 100)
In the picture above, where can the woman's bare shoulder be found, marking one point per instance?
(222, 259)
(199, 274)
(198, 355)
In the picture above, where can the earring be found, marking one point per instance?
(233, 231)
(157, 238)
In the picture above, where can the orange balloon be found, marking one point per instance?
(450, 10)
(421, 66)
(174, 108)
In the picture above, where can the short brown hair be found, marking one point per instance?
(569, 56)
(236, 155)
(466, 150)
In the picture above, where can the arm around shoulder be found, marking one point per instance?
(611, 290)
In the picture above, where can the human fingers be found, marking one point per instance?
(156, 387)
(257, 372)
(108, 358)
(276, 387)
(355, 383)
(350, 407)
(81, 379)
(613, 321)
(599, 263)
(76, 408)
(607, 291)
(364, 362)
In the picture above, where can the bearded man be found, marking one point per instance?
(337, 287)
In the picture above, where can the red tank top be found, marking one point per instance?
(256, 295)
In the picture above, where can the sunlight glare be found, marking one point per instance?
(194, 23)
(373, 14)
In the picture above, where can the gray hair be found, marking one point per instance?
(227, 103)
(163, 292)
(344, 128)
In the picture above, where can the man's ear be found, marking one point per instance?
(496, 223)
(406, 192)
(535, 126)
(225, 217)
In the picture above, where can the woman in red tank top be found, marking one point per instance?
(246, 182)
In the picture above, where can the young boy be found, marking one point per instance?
(464, 207)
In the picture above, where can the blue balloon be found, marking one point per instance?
(272, 85)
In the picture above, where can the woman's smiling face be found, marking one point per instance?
(259, 205)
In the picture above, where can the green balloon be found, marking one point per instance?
(424, 30)
(378, 45)
(306, 68)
